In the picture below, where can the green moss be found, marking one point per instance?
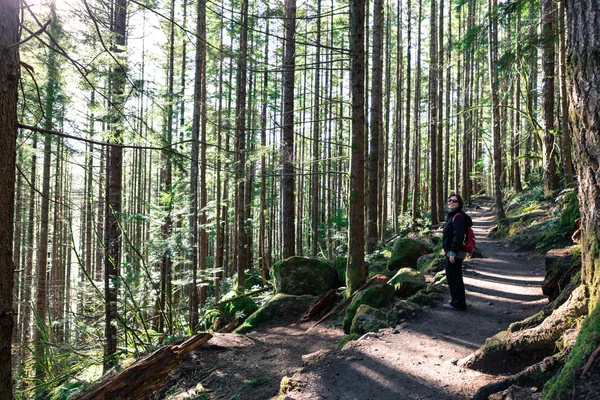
(279, 306)
(241, 308)
(347, 339)
(405, 253)
(587, 340)
(368, 319)
(374, 296)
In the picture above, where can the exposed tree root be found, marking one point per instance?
(538, 318)
(512, 351)
(534, 375)
(319, 307)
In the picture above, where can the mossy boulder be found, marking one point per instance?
(406, 252)
(304, 275)
(368, 319)
(378, 268)
(404, 310)
(425, 298)
(375, 296)
(407, 282)
(431, 263)
(280, 306)
(244, 306)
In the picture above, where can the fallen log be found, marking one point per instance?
(319, 307)
(375, 280)
(146, 376)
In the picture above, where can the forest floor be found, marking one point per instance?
(419, 359)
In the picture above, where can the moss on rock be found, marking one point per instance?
(404, 310)
(376, 296)
(279, 306)
(407, 282)
(406, 252)
(430, 263)
(368, 319)
(304, 275)
(241, 307)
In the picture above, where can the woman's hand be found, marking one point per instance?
(452, 259)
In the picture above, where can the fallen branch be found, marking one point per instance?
(319, 307)
(375, 280)
(534, 375)
(146, 376)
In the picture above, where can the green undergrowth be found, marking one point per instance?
(537, 222)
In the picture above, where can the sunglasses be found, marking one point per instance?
(452, 201)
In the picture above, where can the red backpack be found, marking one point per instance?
(469, 242)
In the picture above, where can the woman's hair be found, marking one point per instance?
(461, 202)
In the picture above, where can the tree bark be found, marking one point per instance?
(287, 147)
(583, 55)
(548, 66)
(114, 187)
(376, 124)
(9, 81)
(356, 271)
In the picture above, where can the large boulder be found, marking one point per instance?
(303, 275)
(431, 263)
(368, 319)
(404, 310)
(280, 306)
(407, 282)
(406, 252)
(375, 296)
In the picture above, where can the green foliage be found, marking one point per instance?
(570, 210)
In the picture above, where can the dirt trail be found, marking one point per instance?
(417, 360)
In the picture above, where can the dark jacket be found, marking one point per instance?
(454, 231)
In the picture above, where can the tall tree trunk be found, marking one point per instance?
(583, 27)
(114, 188)
(287, 146)
(41, 302)
(240, 132)
(415, 211)
(263, 255)
(433, 114)
(564, 102)
(406, 165)
(376, 124)
(9, 81)
(356, 271)
(493, 73)
(314, 189)
(197, 126)
(548, 66)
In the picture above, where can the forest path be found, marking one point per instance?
(417, 360)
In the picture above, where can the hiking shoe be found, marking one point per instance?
(449, 306)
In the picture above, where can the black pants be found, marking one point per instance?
(455, 282)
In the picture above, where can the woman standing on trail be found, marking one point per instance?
(453, 237)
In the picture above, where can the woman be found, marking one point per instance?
(453, 237)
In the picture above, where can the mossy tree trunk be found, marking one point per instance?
(584, 94)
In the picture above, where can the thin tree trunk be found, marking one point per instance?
(568, 169)
(114, 187)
